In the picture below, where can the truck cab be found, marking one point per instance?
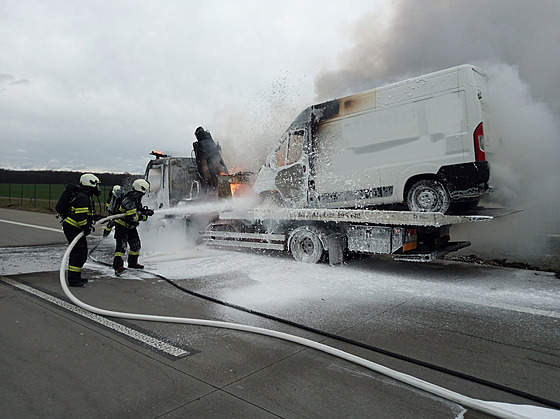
(172, 180)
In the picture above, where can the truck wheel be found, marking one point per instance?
(428, 195)
(306, 246)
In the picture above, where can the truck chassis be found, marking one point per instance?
(311, 235)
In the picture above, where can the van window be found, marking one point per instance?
(281, 152)
(295, 147)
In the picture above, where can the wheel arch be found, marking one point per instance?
(273, 194)
(423, 176)
(414, 172)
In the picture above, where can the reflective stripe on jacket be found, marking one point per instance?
(131, 205)
(81, 211)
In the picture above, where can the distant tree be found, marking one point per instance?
(62, 177)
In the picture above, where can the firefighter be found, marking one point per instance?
(125, 228)
(112, 206)
(80, 217)
(208, 159)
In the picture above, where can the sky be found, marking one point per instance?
(98, 85)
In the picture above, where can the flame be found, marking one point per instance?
(234, 170)
(158, 153)
(240, 183)
(239, 189)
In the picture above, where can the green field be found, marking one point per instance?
(37, 197)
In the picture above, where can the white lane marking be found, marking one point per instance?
(139, 336)
(58, 230)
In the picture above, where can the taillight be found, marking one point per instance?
(479, 153)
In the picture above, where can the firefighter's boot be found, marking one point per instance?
(75, 279)
(133, 262)
(118, 265)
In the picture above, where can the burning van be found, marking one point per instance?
(419, 142)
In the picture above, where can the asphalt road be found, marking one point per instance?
(63, 361)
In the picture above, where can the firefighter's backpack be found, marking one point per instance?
(115, 203)
(64, 204)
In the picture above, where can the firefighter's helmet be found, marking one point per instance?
(90, 180)
(116, 188)
(141, 185)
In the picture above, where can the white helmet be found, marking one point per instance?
(141, 185)
(88, 179)
(116, 188)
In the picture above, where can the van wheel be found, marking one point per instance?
(428, 195)
(306, 246)
(270, 200)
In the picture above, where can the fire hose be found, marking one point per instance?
(491, 408)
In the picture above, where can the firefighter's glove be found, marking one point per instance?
(106, 232)
(88, 231)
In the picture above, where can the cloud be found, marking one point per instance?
(91, 82)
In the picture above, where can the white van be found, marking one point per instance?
(418, 142)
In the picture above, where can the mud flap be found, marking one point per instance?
(335, 248)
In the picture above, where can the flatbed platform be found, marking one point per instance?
(382, 217)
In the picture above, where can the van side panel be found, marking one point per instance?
(372, 149)
(343, 177)
(435, 137)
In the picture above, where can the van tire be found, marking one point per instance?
(306, 246)
(428, 195)
(271, 200)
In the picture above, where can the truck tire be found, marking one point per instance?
(428, 195)
(306, 246)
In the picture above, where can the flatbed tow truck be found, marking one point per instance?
(312, 235)
(309, 234)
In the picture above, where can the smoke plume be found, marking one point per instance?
(518, 44)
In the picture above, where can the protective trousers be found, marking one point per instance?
(124, 236)
(78, 255)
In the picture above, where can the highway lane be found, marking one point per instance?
(248, 376)
(20, 228)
